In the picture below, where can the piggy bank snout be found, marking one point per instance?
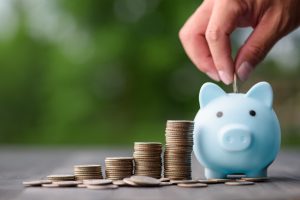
(234, 137)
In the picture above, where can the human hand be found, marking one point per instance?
(206, 34)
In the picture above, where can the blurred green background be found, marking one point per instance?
(112, 72)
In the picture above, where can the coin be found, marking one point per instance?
(97, 182)
(36, 182)
(183, 181)
(258, 179)
(192, 185)
(96, 166)
(213, 181)
(180, 123)
(88, 177)
(119, 158)
(102, 187)
(128, 181)
(235, 84)
(53, 185)
(66, 183)
(145, 180)
(239, 183)
(119, 183)
(61, 177)
(139, 144)
(81, 186)
(164, 179)
(165, 183)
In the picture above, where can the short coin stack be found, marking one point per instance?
(88, 172)
(179, 146)
(61, 177)
(118, 168)
(147, 157)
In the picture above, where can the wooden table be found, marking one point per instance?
(25, 163)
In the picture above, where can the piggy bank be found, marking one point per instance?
(236, 133)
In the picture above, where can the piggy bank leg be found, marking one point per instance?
(209, 174)
(256, 174)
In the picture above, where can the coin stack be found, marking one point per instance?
(179, 146)
(61, 177)
(118, 168)
(147, 158)
(88, 172)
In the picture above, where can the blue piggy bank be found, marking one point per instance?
(236, 133)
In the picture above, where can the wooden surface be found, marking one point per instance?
(24, 163)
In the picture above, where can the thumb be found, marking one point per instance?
(254, 50)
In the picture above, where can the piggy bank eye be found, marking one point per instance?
(219, 114)
(252, 113)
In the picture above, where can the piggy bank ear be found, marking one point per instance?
(209, 92)
(263, 92)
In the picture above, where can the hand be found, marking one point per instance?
(206, 34)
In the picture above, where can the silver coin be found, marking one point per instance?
(235, 84)
(239, 183)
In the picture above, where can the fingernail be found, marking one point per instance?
(213, 76)
(225, 77)
(244, 71)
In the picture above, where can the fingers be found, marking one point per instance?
(192, 36)
(206, 35)
(223, 21)
(255, 48)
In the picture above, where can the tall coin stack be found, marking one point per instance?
(117, 168)
(82, 172)
(147, 158)
(178, 150)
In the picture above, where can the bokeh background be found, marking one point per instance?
(112, 72)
